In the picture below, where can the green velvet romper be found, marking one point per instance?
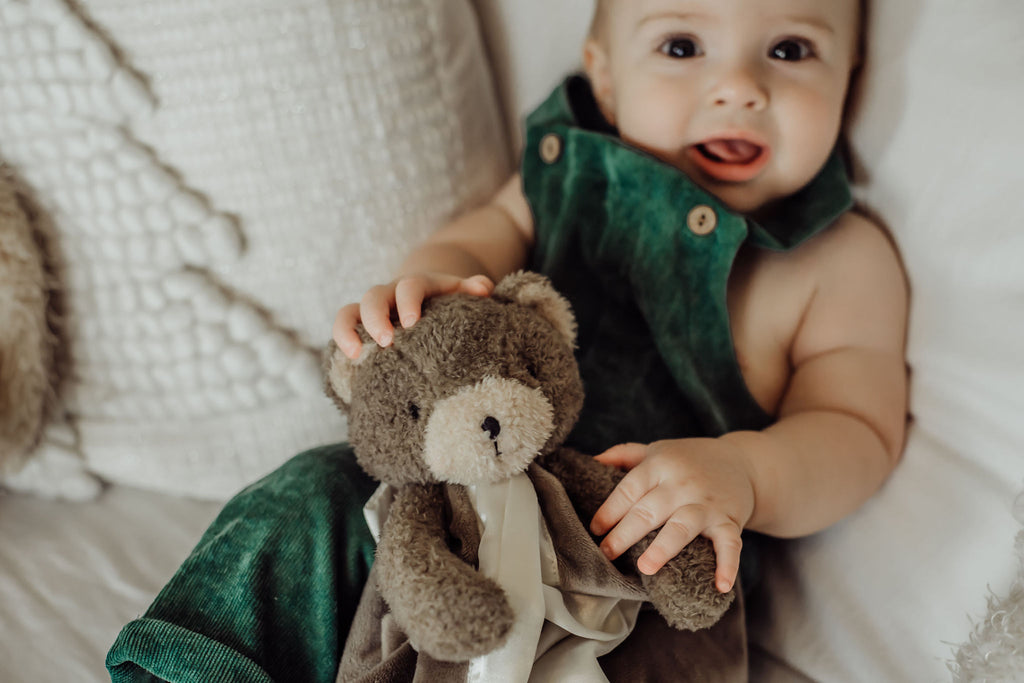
(644, 256)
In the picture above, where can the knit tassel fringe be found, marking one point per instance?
(995, 649)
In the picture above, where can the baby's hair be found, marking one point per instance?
(863, 18)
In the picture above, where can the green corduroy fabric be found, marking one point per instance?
(655, 343)
(269, 591)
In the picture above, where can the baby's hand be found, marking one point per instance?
(688, 487)
(405, 295)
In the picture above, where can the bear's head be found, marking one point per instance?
(470, 394)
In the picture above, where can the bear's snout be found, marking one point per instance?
(487, 431)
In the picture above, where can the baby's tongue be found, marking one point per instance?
(732, 151)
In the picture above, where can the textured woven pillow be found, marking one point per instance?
(223, 176)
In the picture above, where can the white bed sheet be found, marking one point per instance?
(71, 575)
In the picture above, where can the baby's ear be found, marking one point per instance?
(535, 290)
(338, 370)
(597, 65)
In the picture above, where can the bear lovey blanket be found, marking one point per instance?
(587, 587)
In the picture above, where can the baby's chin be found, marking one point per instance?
(742, 197)
(745, 197)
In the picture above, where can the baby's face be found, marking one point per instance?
(745, 96)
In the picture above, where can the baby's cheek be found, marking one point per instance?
(655, 123)
(810, 128)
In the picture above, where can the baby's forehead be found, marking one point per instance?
(838, 22)
(839, 14)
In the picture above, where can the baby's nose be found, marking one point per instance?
(491, 426)
(739, 88)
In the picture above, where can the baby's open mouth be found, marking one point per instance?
(730, 151)
(729, 159)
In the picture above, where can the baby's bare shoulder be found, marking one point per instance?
(860, 289)
(855, 243)
(852, 243)
(842, 289)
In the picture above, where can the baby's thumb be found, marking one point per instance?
(625, 456)
(478, 285)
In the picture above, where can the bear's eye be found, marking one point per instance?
(414, 411)
(531, 370)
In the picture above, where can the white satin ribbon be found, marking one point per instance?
(556, 636)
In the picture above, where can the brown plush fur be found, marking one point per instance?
(459, 340)
(521, 340)
(425, 579)
(26, 342)
(683, 591)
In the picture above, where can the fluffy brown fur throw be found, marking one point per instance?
(995, 650)
(26, 342)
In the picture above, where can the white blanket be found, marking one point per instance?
(73, 574)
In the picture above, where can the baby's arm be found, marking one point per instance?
(842, 418)
(469, 254)
(839, 429)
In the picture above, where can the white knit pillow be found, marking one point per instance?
(224, 176)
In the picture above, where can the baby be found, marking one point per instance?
(701, 118)
(741, 334)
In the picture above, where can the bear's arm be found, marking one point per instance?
(587, 481)
(448, 610)
(683, 591)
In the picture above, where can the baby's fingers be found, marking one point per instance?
(478, 285)
(409, 296)
(625, 456)
(375, 312)
(649, 513)
(680, 529)
(410, 292)
(621, 500)
(344, 331)
(728, 543)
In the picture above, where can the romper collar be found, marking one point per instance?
(782, 226)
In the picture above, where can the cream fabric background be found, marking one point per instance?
(224, 176)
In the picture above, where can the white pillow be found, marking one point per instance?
(224, 176)
(889, 594)
(533, 45)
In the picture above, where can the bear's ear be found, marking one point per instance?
(535, 290)
(338, 370)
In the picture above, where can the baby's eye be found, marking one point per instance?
(792, 50)
(680, 48)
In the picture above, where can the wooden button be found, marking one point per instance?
(702, 219)
(550, 148)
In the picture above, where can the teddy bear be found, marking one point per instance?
(481, 389)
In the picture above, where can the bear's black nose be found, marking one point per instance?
(491, 426)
